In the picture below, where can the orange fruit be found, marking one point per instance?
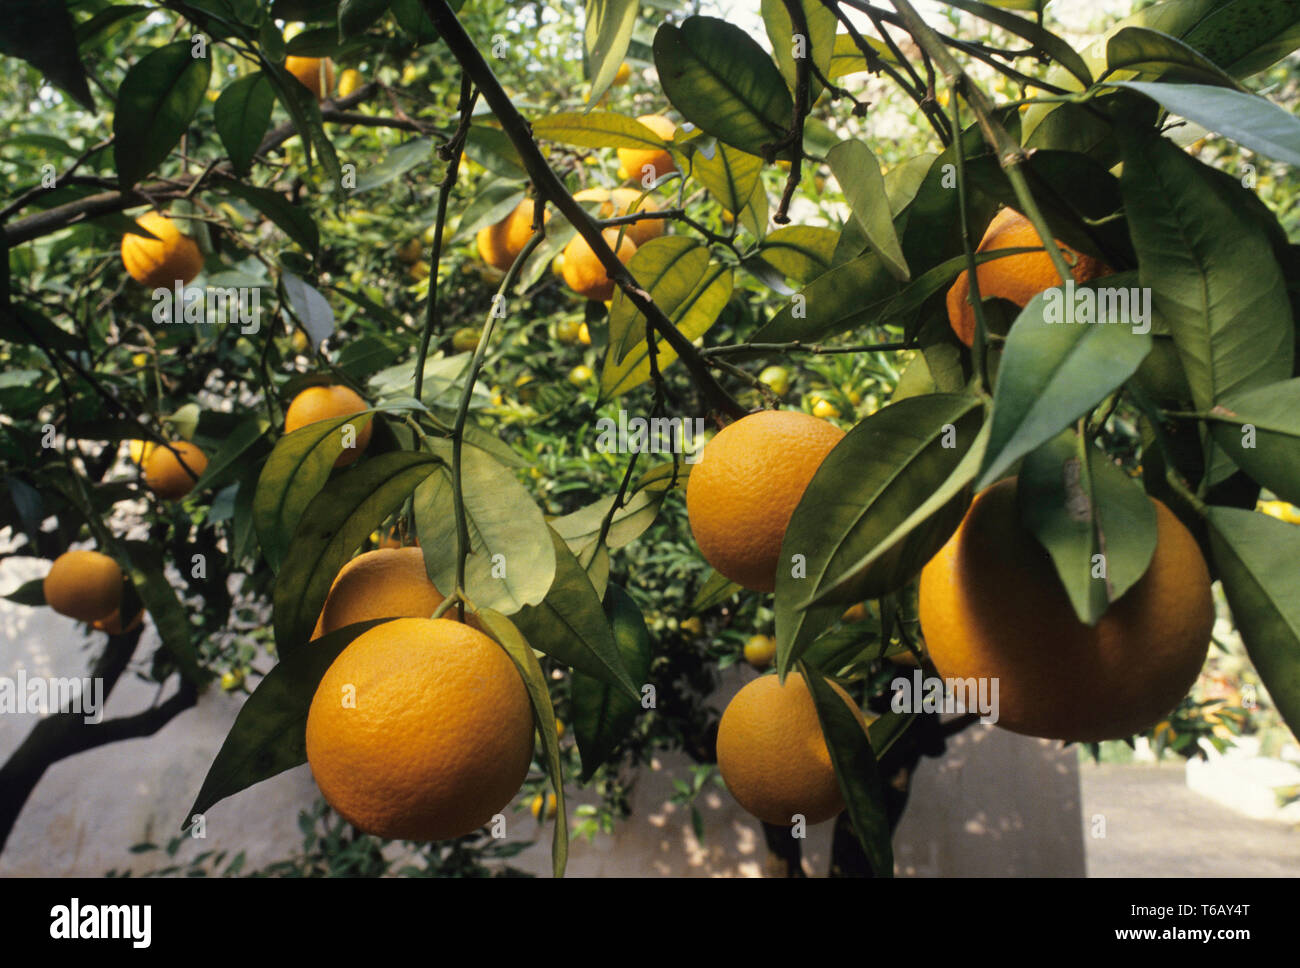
(323, 403)
(349, 81)
(623, 201)
(760, 650)
(314, 73)
(421, 729)
(633, 161)
(536, 806)
(139, 450)
(583, 272)
(746, 485)
(1018, 278)
(112, 623)
(772, 754)
(161, 262)
(85, 585)
(386, 583)
(167, 477)
(991, 605)
(622, 74)
(500, 244)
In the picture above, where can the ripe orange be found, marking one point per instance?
(1018, 278)
(314, 73)
(139, 451)
(386, 583)
(421, 729)
(746, 485)
(772, 754)
(623, 201)
(349, 81)
(622, 74)
(633, 161)
(84, 585)
(991, 605)
(161, 262)
(536, 806)
(760, 650)
(164, 473)
(112, 623)
(500, 244)
(322, 403)
(583, 272)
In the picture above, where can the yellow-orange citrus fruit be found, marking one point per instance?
(323, 403)
(421, 729)
(500, 244)
(1018, 278)
(760, 650)
(991, 605)
(634, 161)
(139, 450)
(746, 485)
(410, 252)
(567, 330)
(855, 613)
(536, 806)
(580, 374)
(112, 623)
(84, 585)
(583, 272)
(349, 81)
(300, 341)
(1281, 510)
(623, 201)
(465, 339)
(622, 74)
(314, 73)
(167, 477)
(584, 335)
(772, 754)
(386, 583)
(161, 261)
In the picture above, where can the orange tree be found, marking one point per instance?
(350, 375)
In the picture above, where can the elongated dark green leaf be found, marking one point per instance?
(570, 626)
(233, 447)
(512, 559)
(716, 589)
(723, 82)
(800, 252)
(1152, 52)
(580, 529)
(415, 23)
(294, 220)
(607, 31)
(530, 670)
(729, 174)
(1061, 52)
(491, 147)
(144, 566)
(30, 593)
(856, 169)
(1052, 373)
(269, 735)
(872, 481)
(312, 309)
(110, 16)
(1252, 121)
(357, 15)
(363, 357)
(396, 163)
(242, 114)
(1260, 431)
(493, 203)
(1256, 555)
(1079, 506)
(1196, 244)
(333, 526)
(669, 268)
(835, 302)
(857, 773)
(603, 716)
(41, 33)
(294, 473)
(907, 304)
(818, 46)
(888, 729)
(305, 114)
(155, 104)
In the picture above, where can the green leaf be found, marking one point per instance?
(305, 114)
(269, 734)
(800, 252)
(723, 82)
(818, 46)
(1052, 373)
(1060, 52)
(597, 129)
(89, 30)
(1079, 505)
(242, 114)
(31, 594)
(857, 773)
(396, 163)
(41, 33)
(295, 472)
(607, 31)
(355, 16)
(602, 716)
(1152, 52)
(294, 220)
(669, 268)
(570, 626)
(729, 174)
(1255, 556)
(717, 588)
(362, 357)
(157, 100)
(491, 147)
(493, 203)
(415, 23)
(1252, 121)
(233, 447)
(886, 731)
(511, 560)
(872, 481)
(331, 528)
(144, 566)
(856, 169)
(835, 302)
(1260, 431)
(530, 670)
(1195, 245)
(580, 529)
(312, 309)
